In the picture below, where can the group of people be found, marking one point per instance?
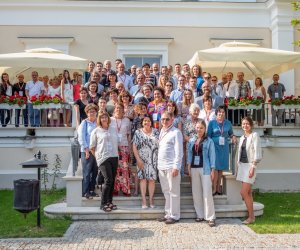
(63, 87)
(140, 127)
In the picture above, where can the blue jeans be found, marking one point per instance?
(25, 117)
(89, 173)
(34, 116)
(5, 115)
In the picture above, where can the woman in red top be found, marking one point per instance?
(77, 86)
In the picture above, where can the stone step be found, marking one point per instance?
(137, 213)
(159, 200)
(185, 188)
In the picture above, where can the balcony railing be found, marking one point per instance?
(52, 116)
(46, 115)
(266, 115)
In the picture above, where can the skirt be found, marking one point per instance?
(243, 173)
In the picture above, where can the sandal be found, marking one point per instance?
(88, 196)
(94, 194)
(212, 223)
(112, 206)
(247, 222)
(199, 220)
(106, 208)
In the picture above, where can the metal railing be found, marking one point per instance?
(266, 114)
(50, 115)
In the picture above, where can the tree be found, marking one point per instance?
(296, 21)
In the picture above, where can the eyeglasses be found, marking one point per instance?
(165, 119)
(213, 80)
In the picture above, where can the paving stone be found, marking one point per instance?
(131, 234)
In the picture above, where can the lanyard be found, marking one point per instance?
(119, 127)
(207, 114)
(221, 130)
(197, 147)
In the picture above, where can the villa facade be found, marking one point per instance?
(138, 31)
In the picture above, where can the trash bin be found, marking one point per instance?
(26, 195)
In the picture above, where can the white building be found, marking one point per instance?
(166, 31)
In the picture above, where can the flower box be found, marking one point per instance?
(285, 106)
(14, 106)
(47, 106)
(54, 105)
(250, 106)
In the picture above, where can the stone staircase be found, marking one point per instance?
(130, 207)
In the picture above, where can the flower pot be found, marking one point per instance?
(284, 106)
(234, 107)
(5, 106)
(13, 106)
(54, 105)
(252, 106)
(40, 106)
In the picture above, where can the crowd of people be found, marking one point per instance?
(149, 123)
(161, 126)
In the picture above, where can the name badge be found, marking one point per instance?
(119, 138)
(276, 95)
(155, 116)
(227, 93)
(197, 160)
(221, 140)
(21, 93)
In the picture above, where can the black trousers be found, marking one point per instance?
(109, 171)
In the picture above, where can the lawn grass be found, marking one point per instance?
(13, 223)
(281, 213)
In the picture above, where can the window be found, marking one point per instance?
(139, 60)
(141, 50)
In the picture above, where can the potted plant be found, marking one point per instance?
(13, 102)
(287, 102)
(246, 103)
(46, 102)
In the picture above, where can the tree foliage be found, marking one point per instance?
(296, 21)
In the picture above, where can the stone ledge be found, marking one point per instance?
(136, 212)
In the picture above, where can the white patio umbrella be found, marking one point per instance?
(46, 61)
(246, 57)
(42, 58)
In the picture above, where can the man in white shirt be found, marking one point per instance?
(122, 77)
(170, 154)
(34, 88)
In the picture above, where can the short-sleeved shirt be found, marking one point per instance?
(81, 106)
(276, 88)
(34, 88)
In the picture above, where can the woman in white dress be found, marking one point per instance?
(67, 96)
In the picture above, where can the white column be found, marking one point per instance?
(281, 14)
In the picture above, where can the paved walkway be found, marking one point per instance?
(187, 234)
